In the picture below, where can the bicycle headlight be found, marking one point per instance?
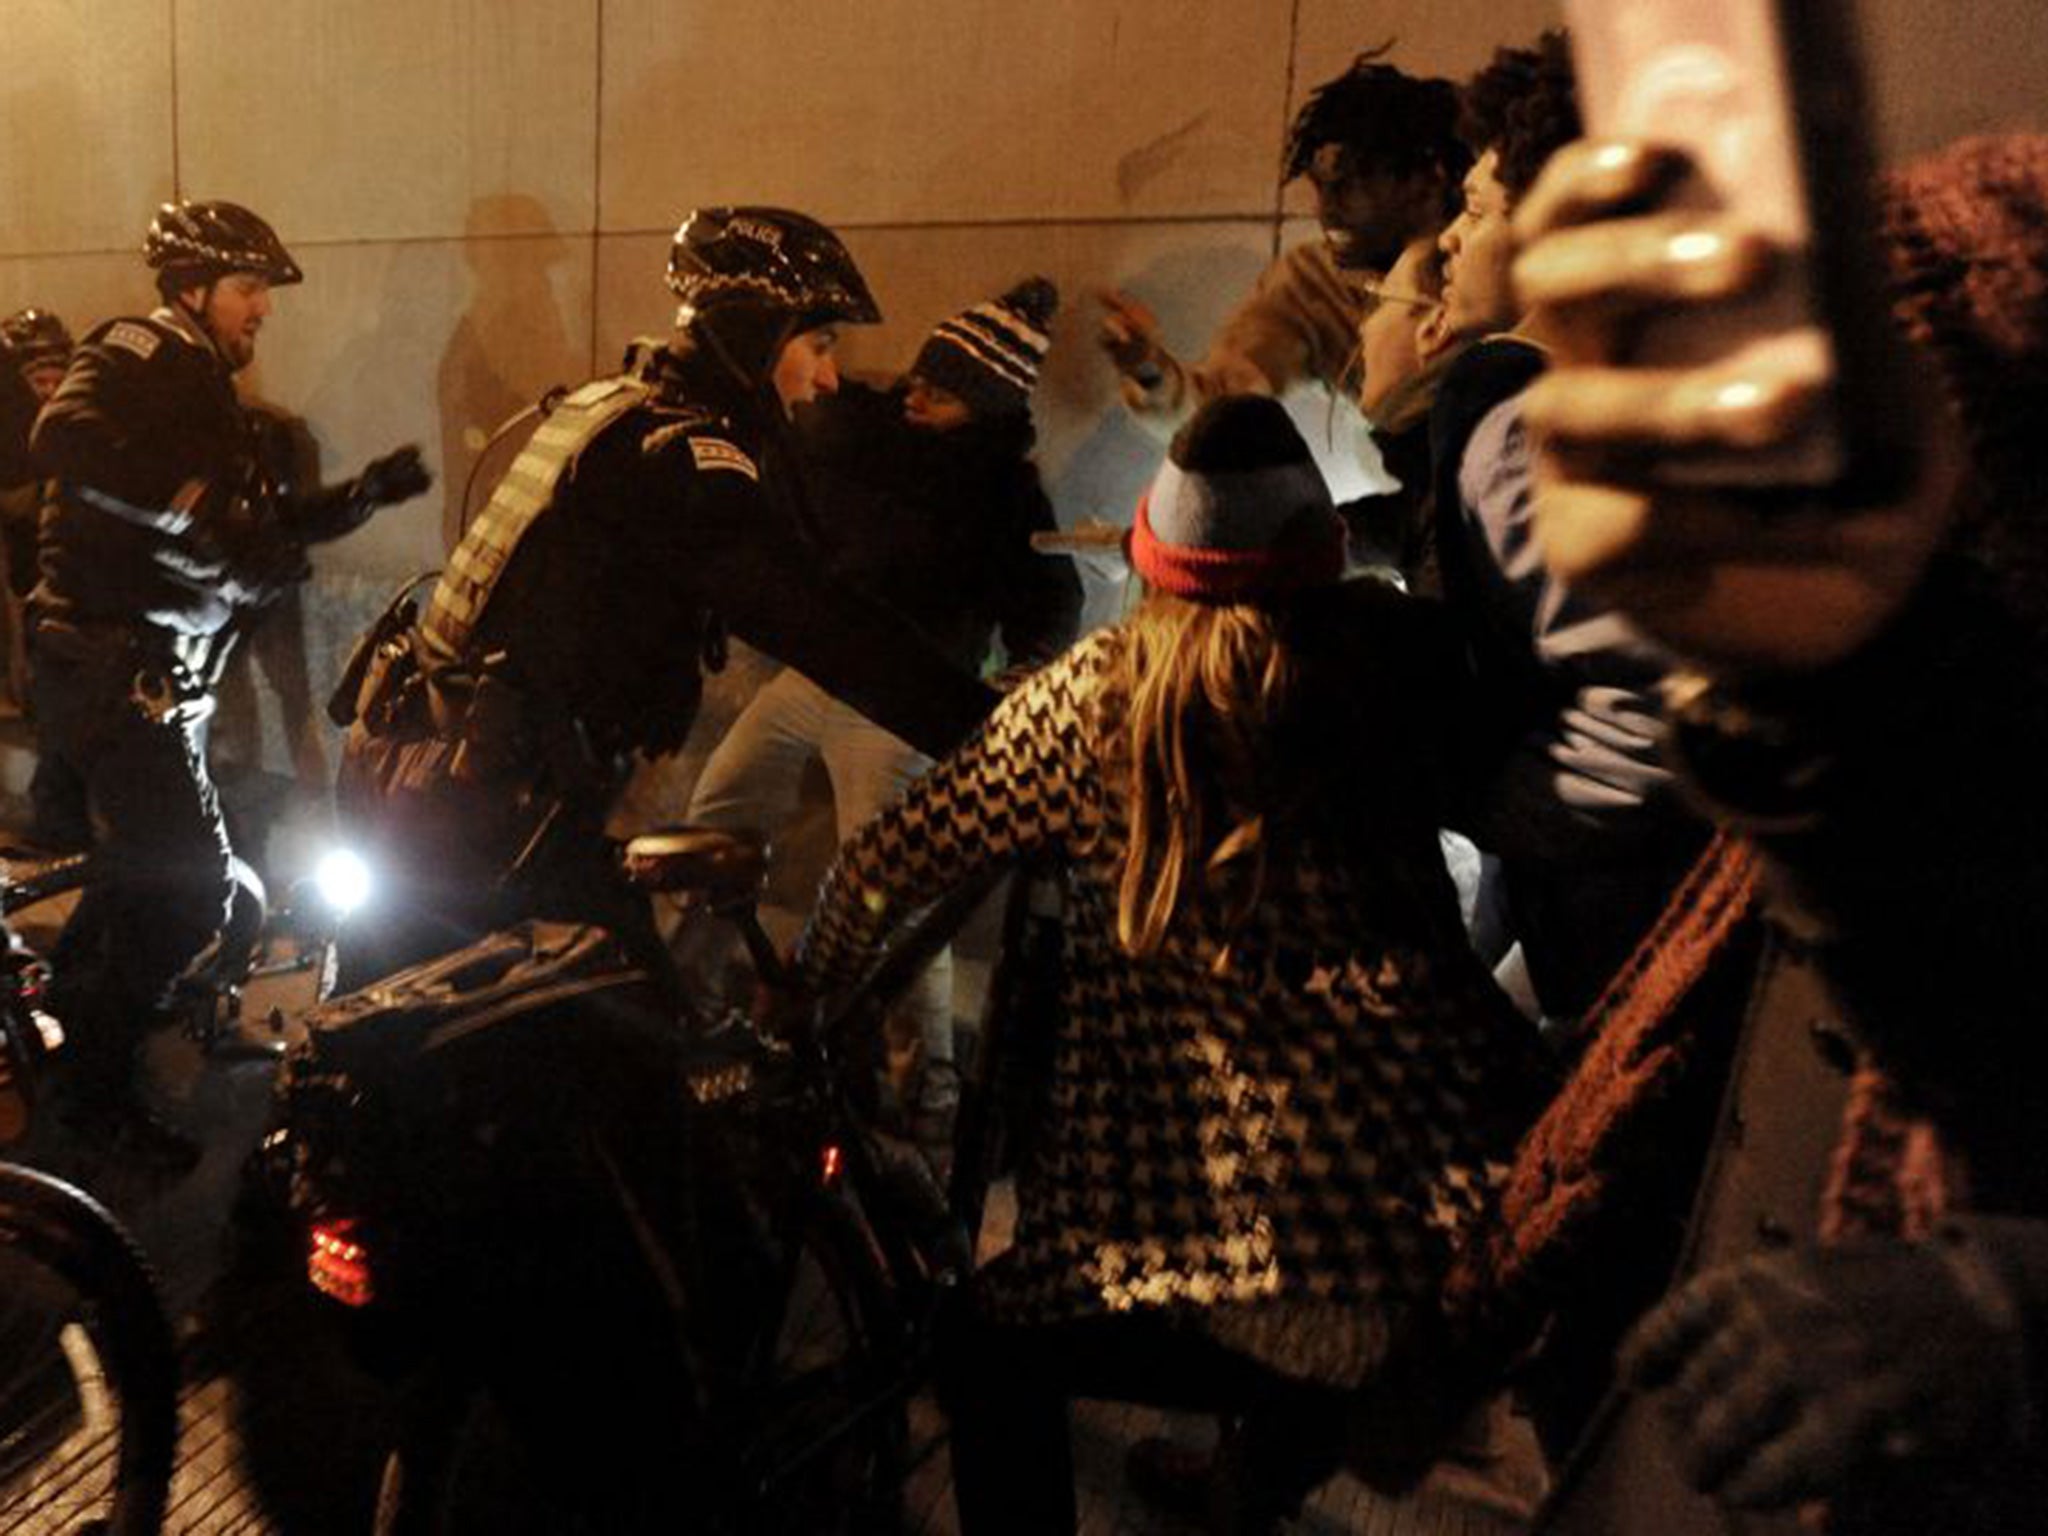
(343, 881)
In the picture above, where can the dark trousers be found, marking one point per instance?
(1006, 1388)
(162, 884)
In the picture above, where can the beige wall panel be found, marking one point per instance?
(80, 290)
(1965, 66)
(899, 110)
(391, 119)
(1430, 37)
(433, 342)
(85, 123)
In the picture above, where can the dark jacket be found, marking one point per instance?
(682, 508)
(148, 405)
(938, 525)
(1569, 789)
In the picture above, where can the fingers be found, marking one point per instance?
(399, 476)
(1821, 1445)
(1127, 316)
(1594, 179)
(1625, 266)
(1721, 1431)
(1744, 406)
(1664, 1341)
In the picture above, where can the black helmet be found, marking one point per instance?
(33, 337)
(200, 242)
(767, 258)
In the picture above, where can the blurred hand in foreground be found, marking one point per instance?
(1735, 583)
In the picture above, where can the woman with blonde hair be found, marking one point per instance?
(1280, 1084)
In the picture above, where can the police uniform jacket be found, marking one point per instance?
(648, 510)
(147, 405)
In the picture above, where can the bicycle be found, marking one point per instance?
(796, 1259)
(88, 1369)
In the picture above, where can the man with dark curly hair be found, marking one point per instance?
(1513, 115)
(1570, 793)
(1381, 151)
(1573, 798)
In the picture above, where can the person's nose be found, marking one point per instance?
(827, 380)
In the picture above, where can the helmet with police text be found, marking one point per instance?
(190, 244)
(751, 278)
(34, 338)
(767, 258)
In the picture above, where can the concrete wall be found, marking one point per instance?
(481, 190)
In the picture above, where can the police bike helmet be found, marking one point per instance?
(192, 244)
(750, 278)
(34, 338)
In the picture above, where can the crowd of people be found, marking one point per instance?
(1755, 1155)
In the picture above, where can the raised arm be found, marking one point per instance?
(1015, 789)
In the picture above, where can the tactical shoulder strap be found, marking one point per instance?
(526, 490)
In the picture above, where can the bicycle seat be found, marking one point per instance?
(714, 866)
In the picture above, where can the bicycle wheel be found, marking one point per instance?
(810, 1443)
(826, 1412)
(88, 1373)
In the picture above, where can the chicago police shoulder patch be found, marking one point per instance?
(132, 336)
(717, 453)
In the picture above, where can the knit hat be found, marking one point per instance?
(1966, 239)
(1239, 510)
(989, 355)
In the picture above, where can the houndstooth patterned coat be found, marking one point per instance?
(1284, 1154)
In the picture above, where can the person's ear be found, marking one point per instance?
(1432, 331)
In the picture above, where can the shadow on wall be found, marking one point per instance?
(512, 314)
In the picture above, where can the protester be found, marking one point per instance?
(1573, 796)
(926, 497)
(1863, 700)
(1279, 1077)
(1380, 151)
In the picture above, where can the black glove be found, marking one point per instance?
(1787, 1377)
(398, 476)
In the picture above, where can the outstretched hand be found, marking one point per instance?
(1784, 1378)
(1726, 580)
(1129, 333)
(398, 476)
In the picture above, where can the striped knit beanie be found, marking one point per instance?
(1238, 511)
(989, 355)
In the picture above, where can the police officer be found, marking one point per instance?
(34, 349)
(164, 530)
(649, 511)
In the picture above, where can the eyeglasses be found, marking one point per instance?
(1379, 293)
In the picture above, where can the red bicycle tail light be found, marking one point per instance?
(338, 1262)
(830, 1164)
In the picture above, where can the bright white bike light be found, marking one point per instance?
(343, 880)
